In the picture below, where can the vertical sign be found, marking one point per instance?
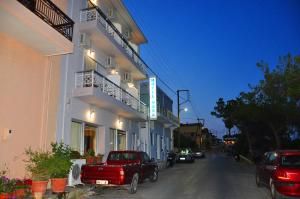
(152, 95)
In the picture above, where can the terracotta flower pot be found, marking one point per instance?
(4, 195)
(20, 193)
(90, 160)
(39, 188)
(58, 185)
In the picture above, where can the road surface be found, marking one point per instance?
(216, 177)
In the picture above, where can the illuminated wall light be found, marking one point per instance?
(114, 72)
(91, 114)
(95, 2)
(119, 124)
(91, 53)
(130, 85)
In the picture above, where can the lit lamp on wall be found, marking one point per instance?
(91, 114)
(119, 124)
(130, 85)
(91, 53)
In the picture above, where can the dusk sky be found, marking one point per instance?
(212, 47)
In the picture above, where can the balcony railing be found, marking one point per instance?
(95, 14)
(52, 15)
(167, 113)
(94, 79)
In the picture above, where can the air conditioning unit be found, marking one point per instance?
(74, 175)
(85, 40)
(111, 13)
(126, 77)
(110, 63)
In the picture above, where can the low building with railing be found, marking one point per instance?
(157, 135)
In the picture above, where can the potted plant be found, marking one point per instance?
(60, 165)
(21, 188)
(7, 186)
(90, 156)
(99, 158)
(38, 165)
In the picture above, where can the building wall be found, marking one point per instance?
(71, 108)
(28, 101)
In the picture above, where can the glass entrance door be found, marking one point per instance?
(90, 133)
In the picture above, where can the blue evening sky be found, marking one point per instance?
(212, 47)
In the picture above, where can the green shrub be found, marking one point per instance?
(38, 164)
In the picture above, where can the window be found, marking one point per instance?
(121, 140)
(290, 161)
(122, 156)
(112, 140)
(83, 137)
(145, 157)
(76, 129)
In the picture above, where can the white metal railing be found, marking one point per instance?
(94, 79)
(168, 114)
(92, 14)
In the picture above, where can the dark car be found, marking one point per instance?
(185, 155)
(199, 154)
(122, 168)
(280, 171)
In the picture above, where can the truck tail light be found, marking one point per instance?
(282, 175)
(122, 172)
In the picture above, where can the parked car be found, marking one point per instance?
(280, 171)
(122, 168)
(185, 155)
(198, 154)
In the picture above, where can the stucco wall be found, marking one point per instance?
(28, 101)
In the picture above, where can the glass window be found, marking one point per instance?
(291, 161)
(122, 156)
(121, 140)
(112, 139)
(145, 157)
(75, 142)
(271, 158)
(89, 138)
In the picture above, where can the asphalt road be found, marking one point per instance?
(216, 177)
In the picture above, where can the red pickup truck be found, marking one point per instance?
(122, 168)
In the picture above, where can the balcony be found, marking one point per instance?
(167, 117)
(94, 88)
(102, 31)
(39, 24)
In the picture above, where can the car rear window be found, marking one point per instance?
(122, 156)
(291, 161)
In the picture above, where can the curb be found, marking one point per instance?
(246, 159)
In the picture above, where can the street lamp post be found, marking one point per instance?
(178, 111)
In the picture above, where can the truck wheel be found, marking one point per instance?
(274, 192)
(154, 176)
(134, 183)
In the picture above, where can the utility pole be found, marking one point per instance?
(200, 129)
(178, 111)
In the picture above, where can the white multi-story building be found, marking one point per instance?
(100, 107)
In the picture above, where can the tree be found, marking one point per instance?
(270, 112)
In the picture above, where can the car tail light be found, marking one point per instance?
(122, 172)
(282, 175)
